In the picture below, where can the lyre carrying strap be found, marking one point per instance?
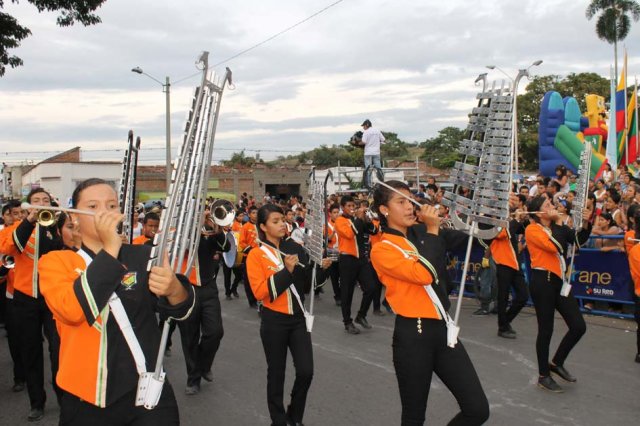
(280, 267)
(119, 313)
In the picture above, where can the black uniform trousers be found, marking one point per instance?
(13, 337)
(545, 293)
(334, 273)
(247, 287)
(509, 278)
(33, 318)
(416, 356)
(123, 412)
(377, 288)
(637, 316)
(229, 287)
(201, 333)
(279, 333)
(353, 269)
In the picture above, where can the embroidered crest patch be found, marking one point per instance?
(129, 280)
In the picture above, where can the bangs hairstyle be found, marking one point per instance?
(534, 205)
(38, 191)
(263, 216)
(382, 195)
(75, 197)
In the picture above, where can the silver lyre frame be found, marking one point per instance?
(127, 191)
(181, 223)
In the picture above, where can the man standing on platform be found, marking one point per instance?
(372, 139)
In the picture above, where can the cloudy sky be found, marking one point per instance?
(407, 65)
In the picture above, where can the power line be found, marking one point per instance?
(255, 46)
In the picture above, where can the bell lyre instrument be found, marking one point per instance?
(127, 192)
(181, 223)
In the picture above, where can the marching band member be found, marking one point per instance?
(97, 369)
(248, 242)
(409, 261)
(506, 254)
(12, 213)
(231, 289)
(150, 225)
(332, 243)
(351, 228)
(547, 243)
(69, 231)
(634, 266)
(281, 284)
(202, 332)
(27, 241)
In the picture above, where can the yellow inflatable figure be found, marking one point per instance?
(597, 115)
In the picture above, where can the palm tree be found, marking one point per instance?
(613, 24)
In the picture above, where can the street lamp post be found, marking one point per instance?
(166, 88)
(524, 72)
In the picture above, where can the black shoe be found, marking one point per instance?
(547, 383)
(363, 322)
(638, 358)
(507, 334)
(192, 390)
(481, 311)
(18, 387)
(35, 415)
(351, 329)
(562, 372)
(379, 313)
(208, 376)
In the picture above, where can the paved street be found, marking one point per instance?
(354, 382)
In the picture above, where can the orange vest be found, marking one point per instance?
(634, 267)
(377, 237)
(140, 240)
(347, 243)
(502, 250)
(26, 258)
(628, 244)
(333, 238)
(544, 250)
(260, 271)
(248, 235)
(404, 275)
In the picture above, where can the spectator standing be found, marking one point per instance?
(372, 139)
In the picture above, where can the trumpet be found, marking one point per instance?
(47, 214)
(7, 261)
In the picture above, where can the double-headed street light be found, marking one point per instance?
(524, 72)
(166, 88)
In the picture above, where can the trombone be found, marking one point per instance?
(47, 214)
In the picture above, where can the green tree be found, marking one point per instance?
(613, 24)
(239, 159)
(12, 33)
(442, 151)
(393, 147)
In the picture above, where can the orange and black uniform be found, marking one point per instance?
(248, 235)
(547, 248)
(504, 251)
(140, 240)
(405, 265)
(334, 269)
(634, 267)
(26, 242)
(202, 332)
(354, 265)
(97, 369)
(13, 336)
(629, 236)
(283, 325)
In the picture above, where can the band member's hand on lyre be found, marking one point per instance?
(290, 262)
(106, 223)
(163, 282)
(429, 216)
(326, 263)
